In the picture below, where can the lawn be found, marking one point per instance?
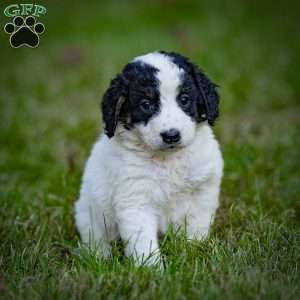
(50, 116)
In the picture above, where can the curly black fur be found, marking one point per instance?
(112, 103)
(121, 102)
(208, 97)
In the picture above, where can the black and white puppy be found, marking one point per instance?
(158, 162)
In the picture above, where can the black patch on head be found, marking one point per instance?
(187, 96)
(143, 87)
(132, 97)
(206, 94)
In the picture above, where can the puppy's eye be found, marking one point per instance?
(185, 100)
(146, 106)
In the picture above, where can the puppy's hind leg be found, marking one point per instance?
(95, 231)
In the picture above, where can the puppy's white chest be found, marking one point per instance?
(174, 178)
(175, 186)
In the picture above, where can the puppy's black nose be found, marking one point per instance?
(171, 136)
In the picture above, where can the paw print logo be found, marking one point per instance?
(24, 32)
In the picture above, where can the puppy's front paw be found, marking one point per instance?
(198, 234)
(154, 259)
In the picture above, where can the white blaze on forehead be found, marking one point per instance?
(169, 74)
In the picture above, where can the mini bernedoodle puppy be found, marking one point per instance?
(158, 162)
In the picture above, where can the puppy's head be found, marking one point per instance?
(160, 97)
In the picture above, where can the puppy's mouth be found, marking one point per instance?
(171, 147)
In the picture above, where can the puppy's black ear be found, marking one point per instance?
(112, 103)
(208, 97)
(208, 102)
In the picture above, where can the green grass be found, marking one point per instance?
(49, 109)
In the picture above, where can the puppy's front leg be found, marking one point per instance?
(202, 212)
(138, 230)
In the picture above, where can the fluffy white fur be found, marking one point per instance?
(132, 188)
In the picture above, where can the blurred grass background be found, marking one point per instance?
(50, 116)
